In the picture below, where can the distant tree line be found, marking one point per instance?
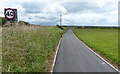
(93, 27)
(60, 27)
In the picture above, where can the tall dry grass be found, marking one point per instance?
(27, 48)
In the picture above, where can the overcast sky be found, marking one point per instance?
(87, 12)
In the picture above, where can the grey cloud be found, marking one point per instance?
(33, 7)
(47, 17)
(46, 22)
(50, 16)
(73, 7)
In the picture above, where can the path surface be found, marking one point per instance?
(74, 56)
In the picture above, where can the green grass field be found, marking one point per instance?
(105, 41)
(27, 49)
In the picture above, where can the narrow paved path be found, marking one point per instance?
(74, 56)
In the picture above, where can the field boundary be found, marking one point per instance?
(97, 54)
(55, 56)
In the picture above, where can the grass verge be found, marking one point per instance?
(27, 49)
(104, 41)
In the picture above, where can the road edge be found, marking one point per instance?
(56, 55)
(97, 54)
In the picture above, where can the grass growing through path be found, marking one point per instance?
(105, 41)
(27, 49)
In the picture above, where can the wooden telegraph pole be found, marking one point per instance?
(60, 19)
